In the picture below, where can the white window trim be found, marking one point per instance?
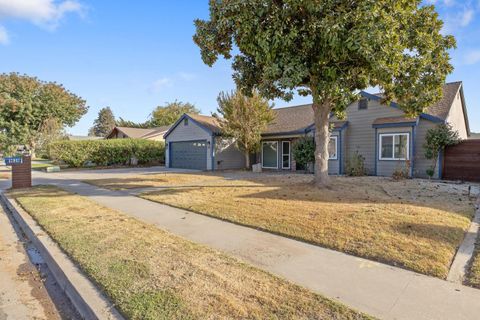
(336, 148)
(284, 154)
(263, 143)
(381, 135)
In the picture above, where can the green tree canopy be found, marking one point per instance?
(27, 103)
(244, 118)
(103, 124)
(330, 49)
(131, 124)
(170, 112)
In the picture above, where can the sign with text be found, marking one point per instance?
(13, 160)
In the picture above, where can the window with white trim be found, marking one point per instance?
(270, 154)
(394, 146)
(332, 148)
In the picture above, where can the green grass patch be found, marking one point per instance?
(41, 166)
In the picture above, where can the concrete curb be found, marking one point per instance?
(85, 297)
(464, 255)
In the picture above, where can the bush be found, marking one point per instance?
(107, 152)
(401, 173)
(356, 165)
(304, 152)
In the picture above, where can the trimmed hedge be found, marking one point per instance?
(107, 152)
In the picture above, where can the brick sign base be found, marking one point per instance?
(22, 173)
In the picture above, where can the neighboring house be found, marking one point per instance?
(381, 134)
(138, 133)
(77, 138)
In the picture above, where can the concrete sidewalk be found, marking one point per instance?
(380, 290)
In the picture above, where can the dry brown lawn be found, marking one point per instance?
(414, 224)
(152, 274)
(157, 180)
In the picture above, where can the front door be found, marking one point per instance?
(285, 154)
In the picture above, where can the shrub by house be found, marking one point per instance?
(107, 152)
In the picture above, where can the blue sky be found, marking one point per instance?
(135, 55)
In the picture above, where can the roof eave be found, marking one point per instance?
(465, 115)
(190, 118)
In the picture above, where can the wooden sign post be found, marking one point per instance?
(21, 171)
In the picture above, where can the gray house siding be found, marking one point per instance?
(227, 155)
(189, 132)
(421, 164)
(456, 117)
(361, 136)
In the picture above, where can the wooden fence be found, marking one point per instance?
(462, 161)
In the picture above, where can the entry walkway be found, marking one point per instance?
(377, 289)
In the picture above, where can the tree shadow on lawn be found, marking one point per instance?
(449, 235)
(372, 195)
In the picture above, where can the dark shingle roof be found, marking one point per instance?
(209, 122)
(291, 119)
(442, 107)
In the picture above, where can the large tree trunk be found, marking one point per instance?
(247, 160)
(322, 138)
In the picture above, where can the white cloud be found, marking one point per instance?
(466, 17)
(44, 13)
(160, 84)
(472, 57)
(4, 39)
(447, 3)
(187, 76)
(461, 19)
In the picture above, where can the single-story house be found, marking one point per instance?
(381, 134)
(138, 133)
(79, 138)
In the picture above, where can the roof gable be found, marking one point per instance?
(437, 112)
(207, 123)
(137, 133)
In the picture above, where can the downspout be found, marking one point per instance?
(340, 155)
(213, 152)
(412, 160)
(169, 155)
